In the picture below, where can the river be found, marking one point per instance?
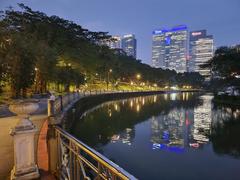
(168, 136)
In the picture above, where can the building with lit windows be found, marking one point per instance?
(200, 50)
(129, 45)
(116, 43)
(169, 48)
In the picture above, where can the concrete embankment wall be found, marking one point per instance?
(87, 103)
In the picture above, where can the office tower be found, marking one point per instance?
(169, 48)
(129, 45)
(116, 43)
(113, 43)
(201, 50)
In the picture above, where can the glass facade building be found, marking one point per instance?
(129, 45)
(200, 50)
(169, 48)
(116, 43)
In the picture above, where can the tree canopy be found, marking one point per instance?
(36, 49)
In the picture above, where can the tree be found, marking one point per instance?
(225, 62)
(21, 63)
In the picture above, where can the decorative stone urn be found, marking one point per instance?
(23, 133)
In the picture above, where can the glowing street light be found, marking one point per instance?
(138, 76)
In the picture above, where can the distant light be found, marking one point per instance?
(196, 33)
(138, 108)
(128, 36)
(174, 29)
(116, 107)
(174, 88)
(131, 103)
(155, 99)
(138, 76)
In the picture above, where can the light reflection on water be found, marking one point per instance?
(167, 136)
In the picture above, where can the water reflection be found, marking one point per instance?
(152, 130)
(113, 119)
(225, 130)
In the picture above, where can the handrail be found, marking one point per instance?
(75, 156)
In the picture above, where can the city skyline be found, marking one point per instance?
(219, 18)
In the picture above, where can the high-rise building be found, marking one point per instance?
(113, 43)
(169, 48)
(129, 45)
(116, 43)
(200, 50)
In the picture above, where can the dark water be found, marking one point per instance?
(171, 136)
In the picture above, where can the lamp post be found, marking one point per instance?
(108, 74)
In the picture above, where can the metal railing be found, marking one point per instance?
(77, 161)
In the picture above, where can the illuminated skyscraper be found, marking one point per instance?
(129, 45)
(116, 43)
(201, 50)
(169, 48)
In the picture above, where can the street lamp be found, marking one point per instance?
(138, 76)
(109, 71)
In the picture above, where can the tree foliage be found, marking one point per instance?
(36, 49)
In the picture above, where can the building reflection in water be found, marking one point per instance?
(182, 127)
(175, 126)
(126, 136)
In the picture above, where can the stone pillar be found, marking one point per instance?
(25, 166)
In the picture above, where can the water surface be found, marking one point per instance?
(169, 136)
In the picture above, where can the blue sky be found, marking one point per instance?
(221, 18)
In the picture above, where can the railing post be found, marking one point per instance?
(68, 98)
(52, 143)
(51, 110)
(61, 102)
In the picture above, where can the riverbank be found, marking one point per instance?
(88, 103)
